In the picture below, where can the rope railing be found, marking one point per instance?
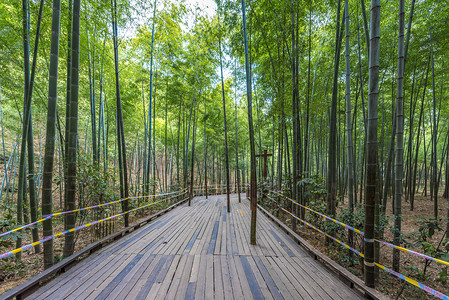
(47, 217)
(322, 215)
(48, 238)
(212, 189)
(363, 234)
(397, 274)
(218, 186)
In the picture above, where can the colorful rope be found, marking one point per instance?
(322, 232)
(48, 238)
(324, 216)
(47, 217)
(363, 234)
(415, 283)
(399, 275)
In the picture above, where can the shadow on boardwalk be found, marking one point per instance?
(200, 252)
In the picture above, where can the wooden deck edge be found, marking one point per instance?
(34, 283)
(344, 275)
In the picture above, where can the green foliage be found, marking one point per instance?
(8, 222)
(313, 188)
(427, 228)
(442, 275)
(355, 218)
(11, 267)
(95, 186)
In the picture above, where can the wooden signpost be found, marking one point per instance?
(265, 155)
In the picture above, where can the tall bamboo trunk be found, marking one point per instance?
(47, 196)
(192, 162)
(225, 129)
(237, 155)
(205, 153)
(434, 183)
(30, 139)
(332, 160)
(165, 144)
(349, 153)
(148, 159)
(251, 133)
(295, 121)
(91, 61)
(25, 121)
(372, 169)
(72, 122)
(123, 168)
(400, 137)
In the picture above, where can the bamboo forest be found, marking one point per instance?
(224, 149)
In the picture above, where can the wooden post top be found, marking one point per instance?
(264, 155)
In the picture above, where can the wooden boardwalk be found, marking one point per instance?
(200, 252)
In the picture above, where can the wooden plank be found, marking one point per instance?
(234, 277)
(234, 245)
(107, 290)
(166, 273)
(181, 278)
(240, 245)
(171, 239)
(183, 242)
(159, 261)
(254, 249)
(267, 278)
(266, 244)
(224, 233)
(209, 291)
(332, 287)
(199, 242)
(227, 285)
(286, 294)
(181, 290)
(252, 281)
(299, 280)
(195, 268)
(213, 239)
(304, 277)
(201, 278)
(244, 282)
(175, 271)
(73, 288)
(131, 289)
(193, 240)
(191, 284)
(193, 222)
(177, 245)
(204, 241)
(214, 234)
(241, 229)
(123, 288)
(260, 280)
(96, 284)
(218, 278)
(64, 279)
(140, 282)
(190, 294)
(217, 248)
(152, 238)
